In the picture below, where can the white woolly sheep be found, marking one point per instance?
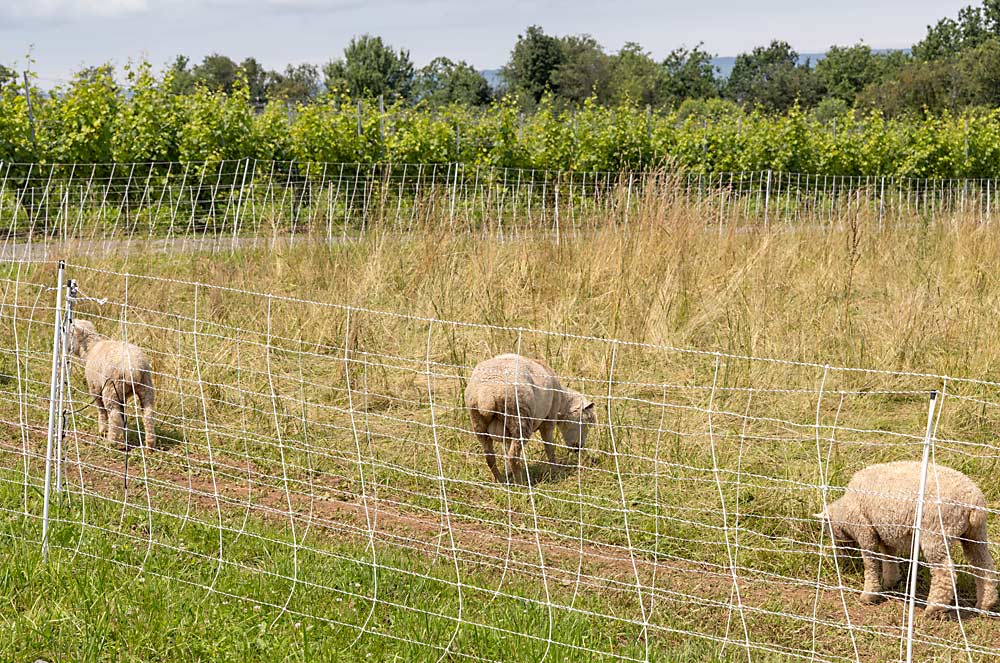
(876, 516)
(115, 371)
(509, 397)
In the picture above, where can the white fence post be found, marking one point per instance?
(767, 200)
(56, 342)
(66, 321)
(915, 553)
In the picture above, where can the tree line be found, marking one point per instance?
(954, 67)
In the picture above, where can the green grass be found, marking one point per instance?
(914, 301)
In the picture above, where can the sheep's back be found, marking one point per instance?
(887, 496)
(111, 360)
(510, 383)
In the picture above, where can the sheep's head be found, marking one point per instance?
(833, 521)
(82, 334)
(575, 420)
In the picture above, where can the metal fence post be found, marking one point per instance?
(381, 121)
(31, 114)
(915, 554)
(56, 339)
(767, 200)
(67, 320)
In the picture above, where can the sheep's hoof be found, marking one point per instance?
(870, 598)
(936, 612)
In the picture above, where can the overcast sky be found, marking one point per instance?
(66, 34)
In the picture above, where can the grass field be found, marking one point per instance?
(318, 496)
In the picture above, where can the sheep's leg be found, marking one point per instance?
(977, 552)
(514, 466)
(145, 397)
(116, 424)
(941, 594)
(868, 543)
(548, 431)
(486, 440)
(873, 585)
(891, 575)
(116, 414)
(102, 415)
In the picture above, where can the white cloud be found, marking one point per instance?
(70, 9)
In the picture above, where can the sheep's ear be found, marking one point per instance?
(822, 515)
(588, 405)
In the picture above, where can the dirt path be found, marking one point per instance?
(776, 611)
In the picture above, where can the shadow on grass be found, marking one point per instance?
(166, 437)
(965, 606)
(545, 472)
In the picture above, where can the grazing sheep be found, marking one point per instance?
(877, 513)
(115, 371)
(509, 397)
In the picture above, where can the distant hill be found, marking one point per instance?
(492, 77)
(723, 63)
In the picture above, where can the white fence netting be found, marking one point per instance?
(232, 203)
(299, 437)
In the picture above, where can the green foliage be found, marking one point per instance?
(636, 77)
(77, 124)
(297, 84)
(770, 77)
(371, 68)
(8, 77)
(147, 127)
(585, 72)
(257, 78)
(531, 70)
(15, 130)
(217, 72)
(443, 82)
(689, 74)
(91, 121)
(215, 126)
(845, 71)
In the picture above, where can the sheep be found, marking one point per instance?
(877, 514)
(509, 397)
(115, 371)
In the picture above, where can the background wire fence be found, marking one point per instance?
(232, 203)
(301, 436)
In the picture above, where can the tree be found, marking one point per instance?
(297, 84)
(949, 37)
(445, 82)
(942, 40)
(8, 77)
(637, 77)
(689, 74)
(980, 67)
(180, 77)
(846, 70)
(585, 70)
(920, 85)
(771, 78)
(257, 79)
(532, 65)
(371, 68)
(216, 72)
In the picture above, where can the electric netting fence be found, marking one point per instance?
(298, 439)
(249, 202)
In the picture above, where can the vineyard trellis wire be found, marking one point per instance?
(291, 447)
(247, 200)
